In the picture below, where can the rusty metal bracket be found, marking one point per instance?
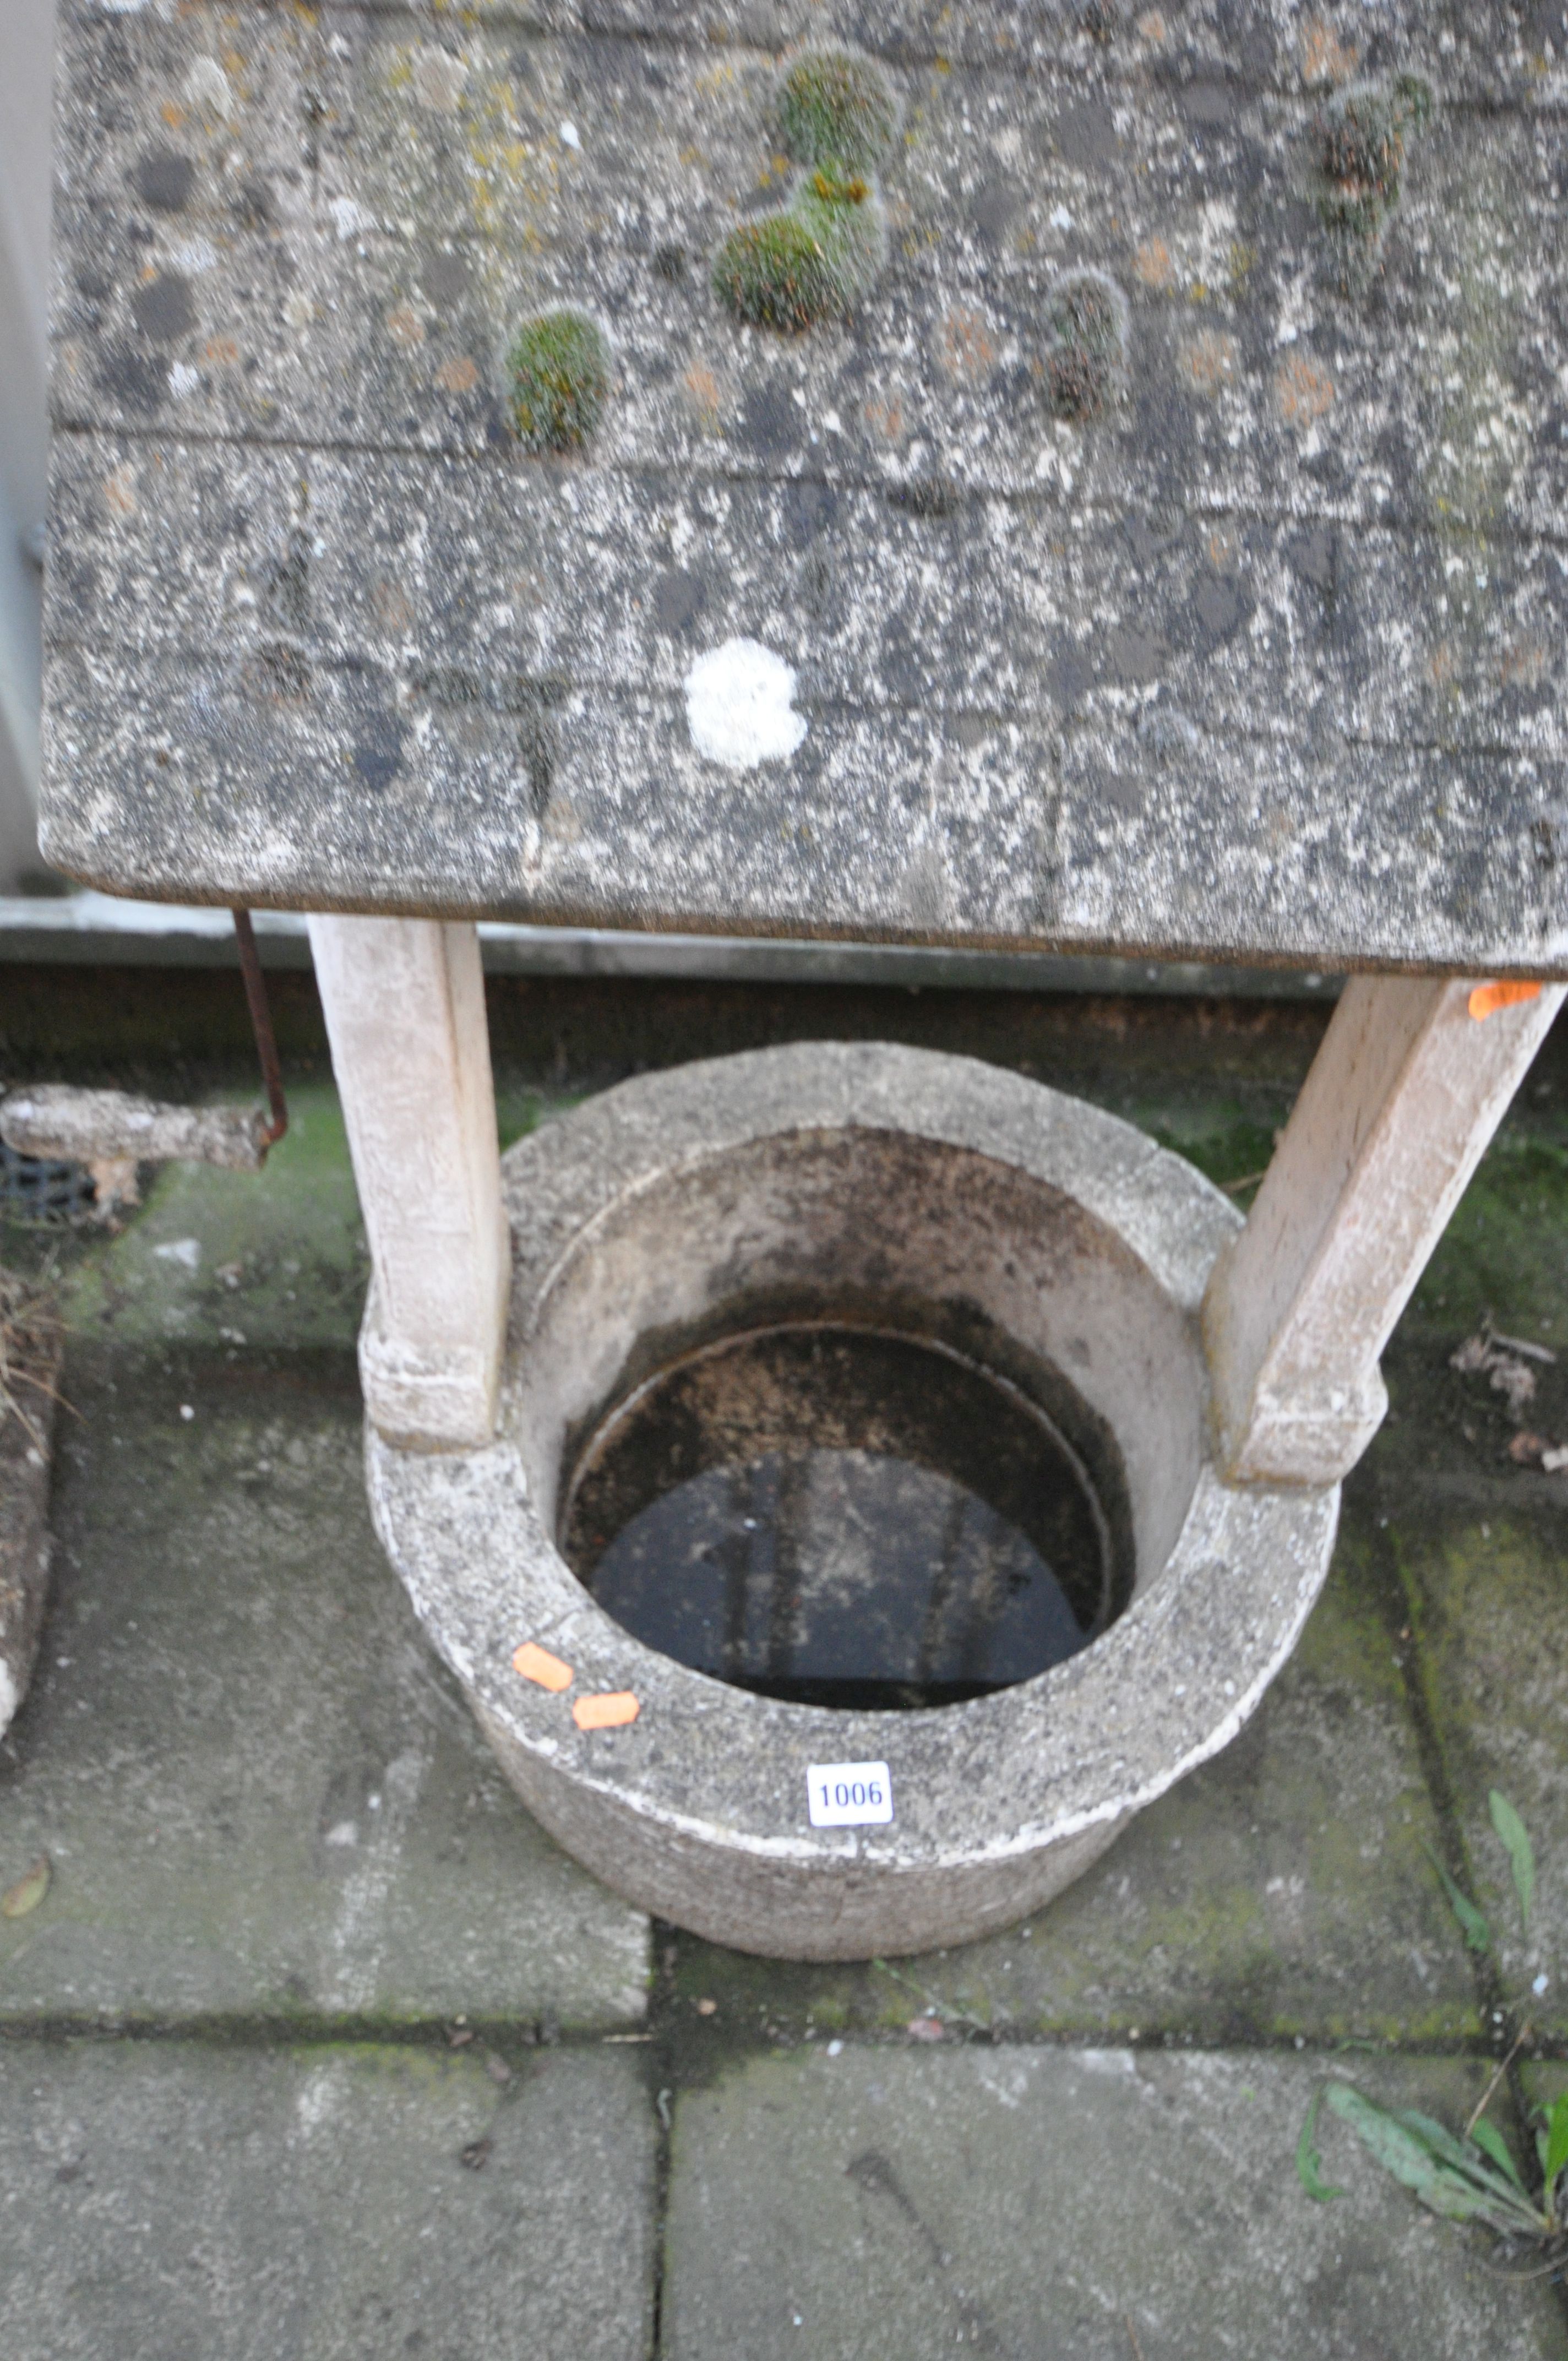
(110, 1132)
(261, 1026)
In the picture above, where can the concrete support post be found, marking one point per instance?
(405, 1013)
(1413, 1077)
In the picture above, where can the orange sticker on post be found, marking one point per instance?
(1487, 997)
(612, 1710)
(536, 1664)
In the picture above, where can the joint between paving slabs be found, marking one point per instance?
(664, 2086)
(1399, 1599)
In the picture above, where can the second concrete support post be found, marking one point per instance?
(404, 1000)
(1414, 1075)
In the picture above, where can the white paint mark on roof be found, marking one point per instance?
(740, 706)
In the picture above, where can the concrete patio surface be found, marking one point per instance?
(316, 2046)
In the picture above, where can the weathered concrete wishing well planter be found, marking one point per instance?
(822, 1177)
(1061, 481)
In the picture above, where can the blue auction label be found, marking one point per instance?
(848, 1795)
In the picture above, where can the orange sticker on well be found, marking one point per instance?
(1487, 997)
(537, 1664)
(612, 1710)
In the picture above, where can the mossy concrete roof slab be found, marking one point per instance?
(1164, 523)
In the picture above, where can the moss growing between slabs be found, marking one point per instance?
(558, 378)
(814, 260)
(836, 114)
(1362, 155)
(1086, 345)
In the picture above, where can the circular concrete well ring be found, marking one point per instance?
(676, 1205)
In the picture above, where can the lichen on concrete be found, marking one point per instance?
(1197, 673)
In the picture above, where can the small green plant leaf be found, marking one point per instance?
(1398, 2147)
(1308, 2163)
(1472, 1926)
(1556, 2147)
(1448, 2175)
(27, 1892)
(1514, 1839)
(1487, 2137)
(1465, 2155)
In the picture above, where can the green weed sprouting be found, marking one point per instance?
(1086, 343)
(814, 258)
(557, 381)
(1471, 2176)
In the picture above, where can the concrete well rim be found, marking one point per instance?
(999, 1800)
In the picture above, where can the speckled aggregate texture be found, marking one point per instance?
(707, 1194)
(260, 1797)
(188, 2198)
(1263, 657)
(1093, 2203)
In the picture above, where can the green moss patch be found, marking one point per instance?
(1086, 345)
(775, 274)
(558, 381)
(836, 114)
(812, 260)
(1361, 156)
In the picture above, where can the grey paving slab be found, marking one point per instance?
(1283, 1889)
(1491, 1614)
(1239, 631)
(172, 2202)
(261, 1795)
(1102, 2205)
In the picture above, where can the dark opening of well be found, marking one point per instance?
(842, 1516)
